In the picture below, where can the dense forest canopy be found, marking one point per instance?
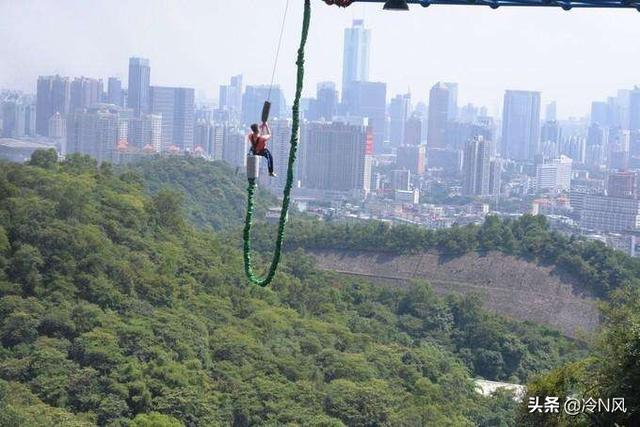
(118, 308)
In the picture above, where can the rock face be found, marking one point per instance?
(508, 285)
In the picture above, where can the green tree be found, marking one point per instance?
(155, 419)
(47, 159)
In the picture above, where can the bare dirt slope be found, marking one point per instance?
(509, 286)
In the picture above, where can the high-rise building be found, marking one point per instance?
(355, 63)
(612, 214)
(412, 158)
(369, 100)
(495, 177)
(176, 106)
(550, 138)
(202, 133)
(401, 179)
(452, 109)
(597, 140)
(634, 109)
(449, 160)
(215, 148)
(623, 106)
(574, 147)
(477, 167)
(94, 132)
(554, 175)
(12, 114)
(325, 106)
(442, 109)
(413, 130)
(615, 112)
(235, 147)
(600, 113)
(138, 92)
(53, 96)
(521, 125)
(551, 112)
(115, 95)
(338, 157)
(399, 109)
(459, 133)
(145, 132)
(85, 93)
(30, 118)
(279, 147)
(551, 131)
(57, 126)
(622, 184)
(230, 96)
(254, 98)
(468, 114)
(618, 149)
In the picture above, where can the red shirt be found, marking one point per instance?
(258, 143)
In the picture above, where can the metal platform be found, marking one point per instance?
(494, 4)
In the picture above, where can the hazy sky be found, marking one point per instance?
(572, 57)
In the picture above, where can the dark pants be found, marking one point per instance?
(266, 154)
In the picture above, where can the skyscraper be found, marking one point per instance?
(202, 134)
(355, 63)
(254, 98)
(13, 117)
(369, 100)
(279, 147)
(442, 109)
(521, 125)
(176, 106)
(634, 109)
(551, 112)
(399, 114)
(477, 167)
(338, 157)
(53, 96)
(618, 149)
(93, 132)
(85, 93)
(138, 91)
(57, 126)
(413, 130)
(235, 146)
(230, 96)
(325, 106)
(145, 132)
(115, 95)
(401, 179)
(217, 141)
(597, 140)
(600, 113)
(412, 158)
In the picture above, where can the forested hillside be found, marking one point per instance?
(116, 310)
(213, 192)
(594, 267)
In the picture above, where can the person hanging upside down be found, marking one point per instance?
(258, 139)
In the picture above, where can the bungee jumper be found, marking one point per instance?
(258, 139)
(261, 134)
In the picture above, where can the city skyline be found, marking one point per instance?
(172, 37)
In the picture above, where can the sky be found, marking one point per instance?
(572, 57)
